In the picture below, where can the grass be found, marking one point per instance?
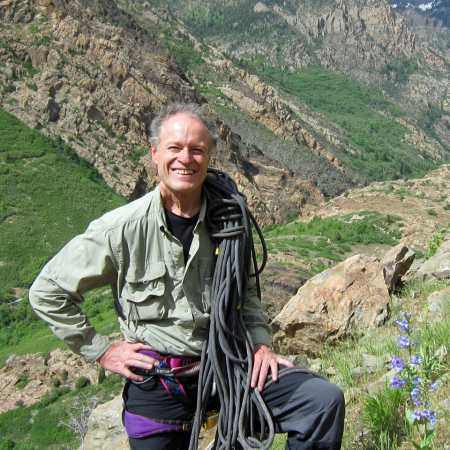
(330, 238)
(22, 332)
(47, 196)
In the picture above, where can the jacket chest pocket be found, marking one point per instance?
(144, 292)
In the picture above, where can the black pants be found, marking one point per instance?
(309, 409)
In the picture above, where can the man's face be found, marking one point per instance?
(183, 156)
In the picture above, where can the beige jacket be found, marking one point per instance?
(158, 299)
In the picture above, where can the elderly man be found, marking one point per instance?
(157, 255)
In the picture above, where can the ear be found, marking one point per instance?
(154, 155)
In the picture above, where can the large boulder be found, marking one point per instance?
(438, 265)
(352, 296)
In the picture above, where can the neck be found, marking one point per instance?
(187, 205)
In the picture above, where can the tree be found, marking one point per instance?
(79, 414)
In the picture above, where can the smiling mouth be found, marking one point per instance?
(183, 172)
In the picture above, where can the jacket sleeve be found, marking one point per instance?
(254, 317)
(87, 262)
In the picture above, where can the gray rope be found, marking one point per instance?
(227, 353)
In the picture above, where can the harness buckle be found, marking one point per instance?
(211, 419)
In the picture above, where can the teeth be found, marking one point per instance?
(184, 172)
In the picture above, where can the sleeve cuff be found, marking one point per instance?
(95, 349)
(260, 335)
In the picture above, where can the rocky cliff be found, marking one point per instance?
(365, 41)
(91, 76)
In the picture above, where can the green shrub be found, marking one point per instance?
(46, 357)
(7, 444)
(32, 86)
(82, 382)
(436, 242)
(23, 380)
(101, 375)
(9, 88)
(64, 375)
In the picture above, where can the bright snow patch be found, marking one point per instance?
(424, 7)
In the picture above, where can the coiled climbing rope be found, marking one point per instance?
(227, 353)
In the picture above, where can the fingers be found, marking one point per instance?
(284, 362)
(121, 356)
(264, 361)
(258, 371)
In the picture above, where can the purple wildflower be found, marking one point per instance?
(397, 382)
(426, 414)
(406, 316)
(417, 381)
(398, 364)
(431, 418)
(415, 394)
(403, 325)
(403, 341)
(415, 360)
(434, 386)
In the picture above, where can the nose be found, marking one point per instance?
(185, 156)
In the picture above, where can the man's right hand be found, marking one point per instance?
(123, 355)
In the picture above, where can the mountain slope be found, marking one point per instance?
(47, 196)
(357, 59)
(87, 72)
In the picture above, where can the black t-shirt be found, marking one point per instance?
(182, 228)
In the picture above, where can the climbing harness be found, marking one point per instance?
(171, 371)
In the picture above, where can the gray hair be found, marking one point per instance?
(191, 109)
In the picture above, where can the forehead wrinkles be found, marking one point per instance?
(180, 127)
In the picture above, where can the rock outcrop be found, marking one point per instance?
(106, 430)
(397, 262)
(421, 205)
(24, 380)
(437, 266)
(438, 306)
(352, 296)
(96, 85)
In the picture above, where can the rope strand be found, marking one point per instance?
(227, 352)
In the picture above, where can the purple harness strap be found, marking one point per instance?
(180, 366)
(138, 427)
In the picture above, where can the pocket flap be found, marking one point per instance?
(144, 282)
(145, 274)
